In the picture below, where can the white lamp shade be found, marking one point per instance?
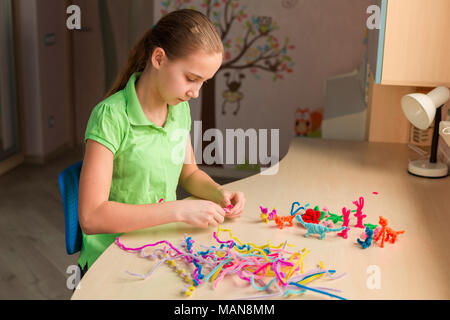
(420, 108)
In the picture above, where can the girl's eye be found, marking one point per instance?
(190, 80)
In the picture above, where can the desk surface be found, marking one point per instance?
(325, 173)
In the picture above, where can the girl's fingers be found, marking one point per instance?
(240, 199)
(218, 209)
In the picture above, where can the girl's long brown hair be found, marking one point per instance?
(179, 34)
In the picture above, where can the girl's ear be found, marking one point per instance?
(158, 57)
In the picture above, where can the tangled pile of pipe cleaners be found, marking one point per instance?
(274, 269)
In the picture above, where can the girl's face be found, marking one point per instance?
(180, 80)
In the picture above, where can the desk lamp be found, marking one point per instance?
(421, 109)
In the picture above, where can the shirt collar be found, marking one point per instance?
(134, 108)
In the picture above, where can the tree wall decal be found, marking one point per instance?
(256, 49)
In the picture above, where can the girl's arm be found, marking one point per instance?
(196, 181)
(98, 215)
(201, 185)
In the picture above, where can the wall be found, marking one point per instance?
(128, 21)
(328, 38)
(44, 76)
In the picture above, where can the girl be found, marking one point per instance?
(133, 139)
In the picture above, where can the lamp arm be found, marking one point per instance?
(434, 143)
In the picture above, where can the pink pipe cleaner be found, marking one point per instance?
(346, 215)
(359, 206)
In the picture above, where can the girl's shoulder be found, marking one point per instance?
(111, 110)
(116, 101)
(114, 105)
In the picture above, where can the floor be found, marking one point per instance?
(33, 259)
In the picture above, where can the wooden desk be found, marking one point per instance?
(326, 173)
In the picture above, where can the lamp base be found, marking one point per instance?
(426, 169)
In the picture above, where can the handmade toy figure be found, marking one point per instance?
(383, 222)
(266, 216)
(311, 216)
(368, 241)
(323, 214)
(318, 229)
(328, 224)
(344, 232)
(272, 214)
(345, 216)
(335, 218)
(392, 235)
(371, 226)
(297, 209)
(359, 206)
(325, 211)
(281, 220)
(376, 232)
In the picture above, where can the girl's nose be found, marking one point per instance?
(193, 93)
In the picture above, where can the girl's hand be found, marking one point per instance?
(201, 213)
(235, 198)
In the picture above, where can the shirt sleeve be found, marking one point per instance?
(106, 127)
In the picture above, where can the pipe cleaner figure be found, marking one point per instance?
(318, 229)
(344, 232)
(368, 241)
(371, 226)
(272, 214)
(325, 211)
(346, 216)
(311, 216)
(281, 220)
(392, 234)
(383, 223)
(376, 232)
(328, 224)
(359, 205)
(264, 215)
(334, 217)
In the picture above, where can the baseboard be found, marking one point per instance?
(10, 163)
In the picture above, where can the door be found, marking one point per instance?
(9, 137)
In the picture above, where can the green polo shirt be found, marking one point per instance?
(147, 158)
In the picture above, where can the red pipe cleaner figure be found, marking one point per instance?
(346, 215)
(311, 216)
(359, 205)
(383, 223)
(344, 232)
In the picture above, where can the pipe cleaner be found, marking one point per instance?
(281, 220)
(359, 215)
(368, 241)
(335, 218)
(311, 216)
(345, 216)
(383, 222)
(344, 233)
(248, 261)
(392, 235)
(318, 229)
(371, 226)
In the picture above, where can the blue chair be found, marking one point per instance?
(68, 186)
